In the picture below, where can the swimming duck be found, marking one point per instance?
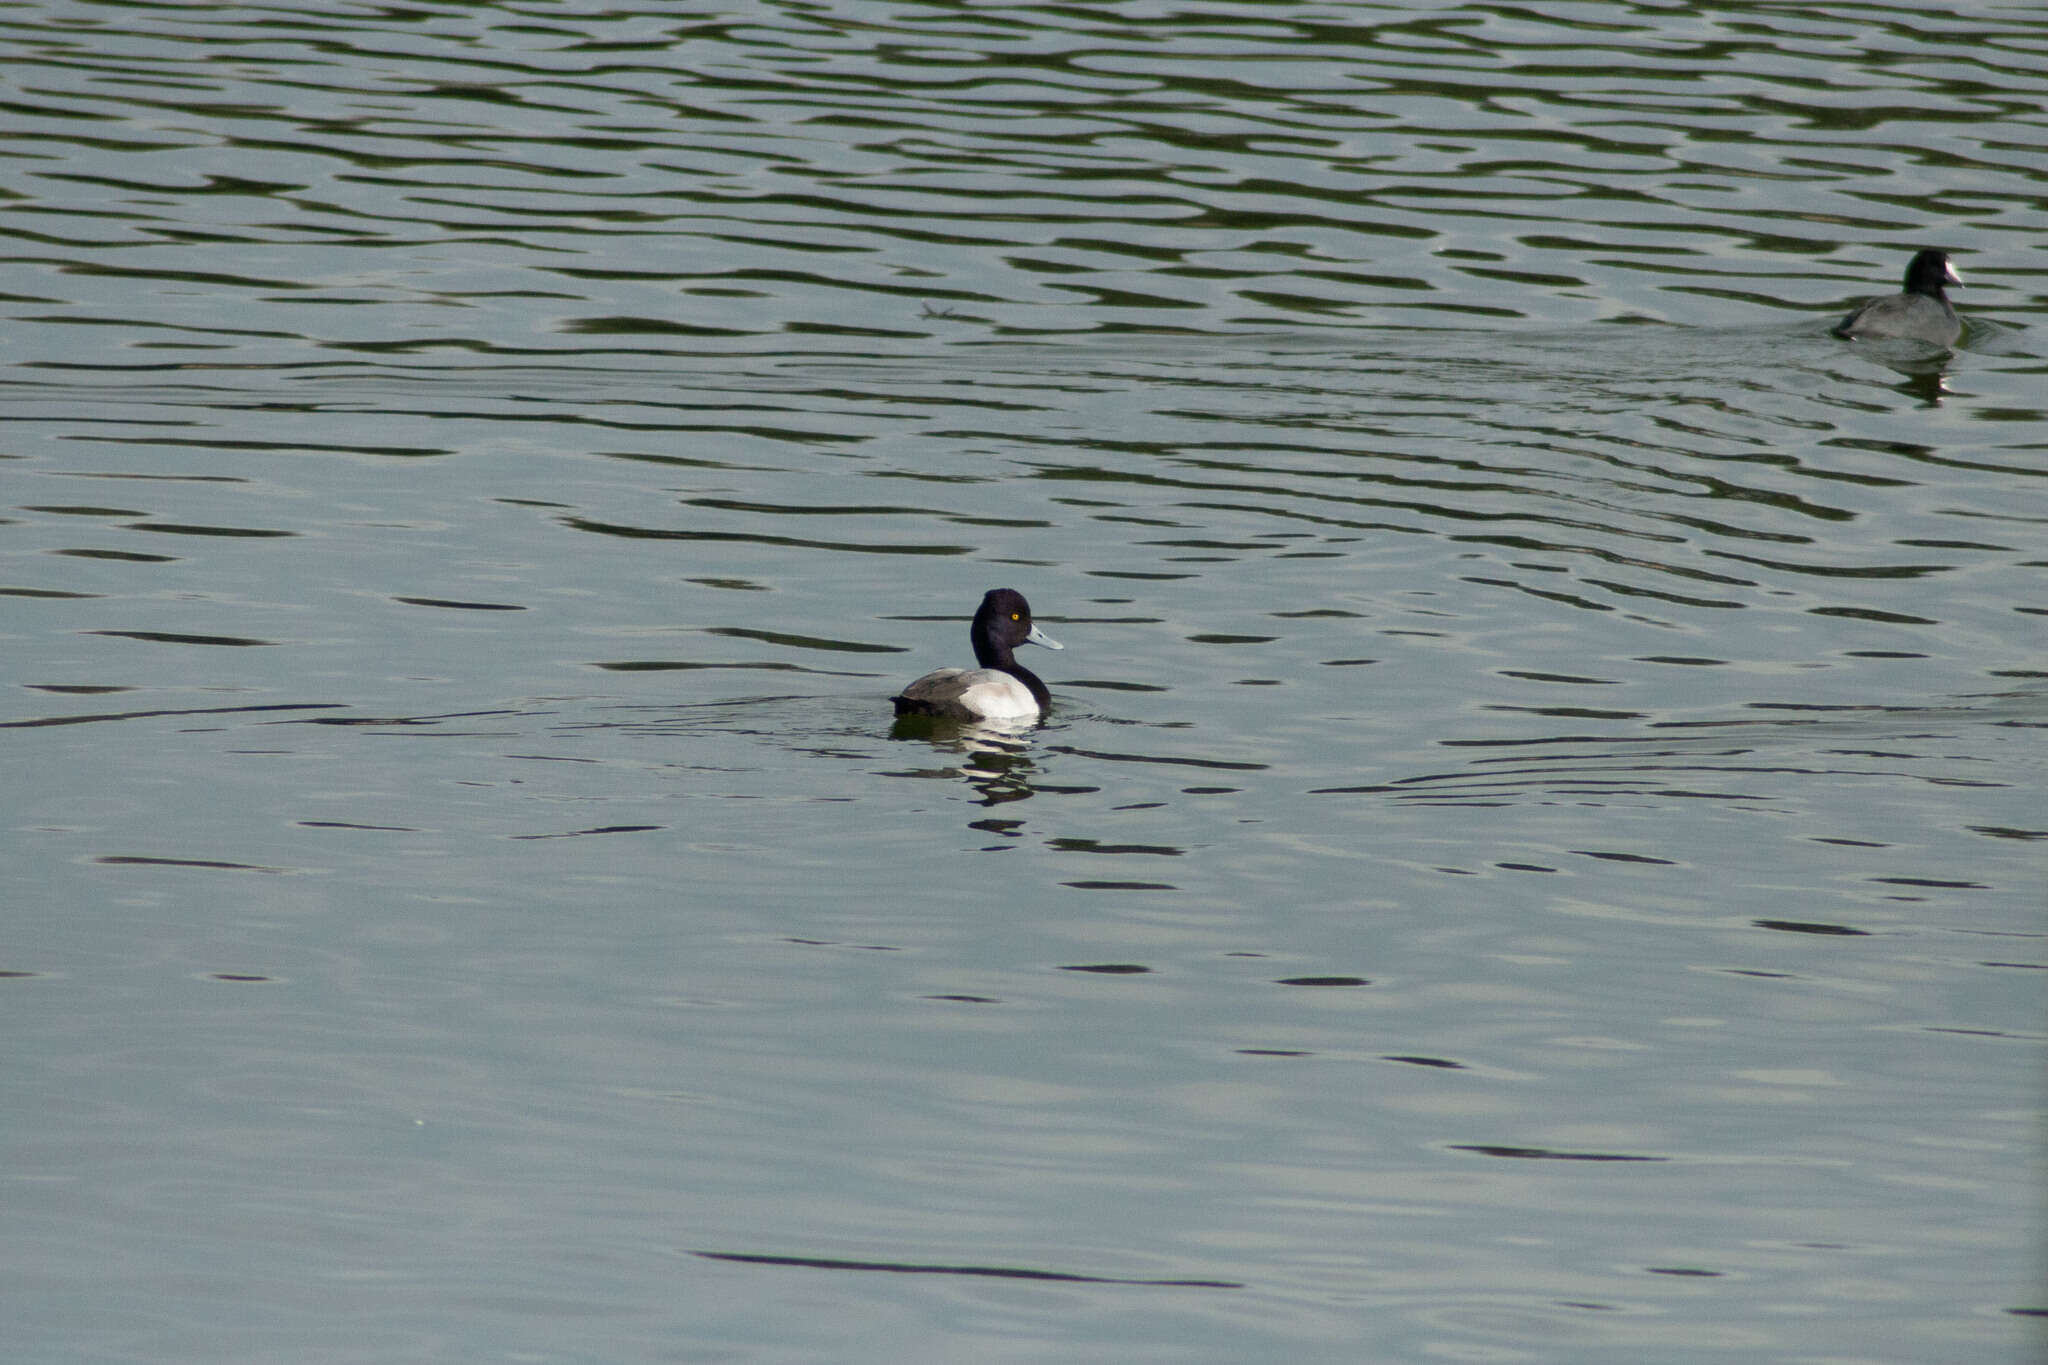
(1922, 313)
(1002, 688)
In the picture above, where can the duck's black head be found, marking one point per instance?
(1928, 271)
(1001, 623)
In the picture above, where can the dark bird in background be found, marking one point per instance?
(1922, 313)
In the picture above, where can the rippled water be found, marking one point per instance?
(1537, 855)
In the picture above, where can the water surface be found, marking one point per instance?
(1537, 855)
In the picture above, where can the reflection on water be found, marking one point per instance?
(1534, 850)
(992, 757)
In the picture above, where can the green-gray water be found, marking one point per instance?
(1537, 857)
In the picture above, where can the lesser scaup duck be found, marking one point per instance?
(1002, 688)
(1922, 313)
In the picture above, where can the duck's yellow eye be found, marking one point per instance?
(1015, 617)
